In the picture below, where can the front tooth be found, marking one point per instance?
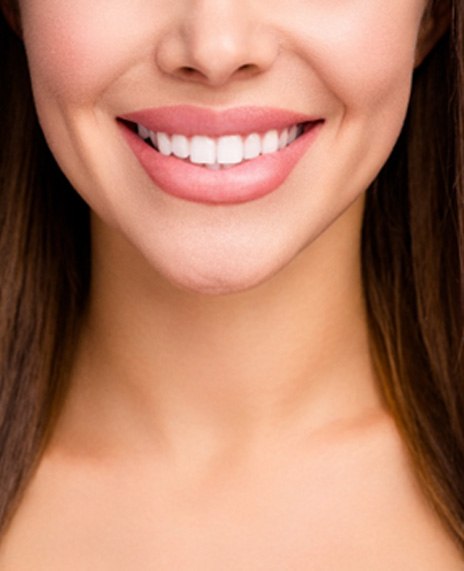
(180, 146)
(164, 144)
(270, 142)
(230, 150)
(252, 146)
(202, 150)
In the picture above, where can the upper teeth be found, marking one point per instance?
(226, 150)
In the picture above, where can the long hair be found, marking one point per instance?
(413, 275)
(44, 275)
(412, 259)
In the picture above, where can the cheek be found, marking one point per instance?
(360, 47)
(363, 50)
(76, 49)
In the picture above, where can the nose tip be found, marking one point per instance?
(212, 46)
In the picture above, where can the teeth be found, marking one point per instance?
(215, 167)
(230, 150)
(293, 133)
(143, 132)
(223, 152)
(252, 146)
(202, 150)
(180, 146)
(153, 138)
(164, 144)
(283, 139)
(270, 142)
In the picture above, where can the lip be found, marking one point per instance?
(190, 120)
(245, 182)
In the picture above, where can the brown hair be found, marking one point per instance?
(44, 273)
(413, 268)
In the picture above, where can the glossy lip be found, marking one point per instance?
(245, 182)
(189, 120)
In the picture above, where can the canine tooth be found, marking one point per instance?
(180, 146)
(283, 139)
(153, 138)
(230, 150)
(202, 150)
(164, 144)
(143, 131)
(270, 142)
(252, 146)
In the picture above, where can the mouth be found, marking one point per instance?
(218, 157)
(220, 153)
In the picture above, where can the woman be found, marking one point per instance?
(255, 362)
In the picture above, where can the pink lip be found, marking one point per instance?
(247, 181)
(190, 120)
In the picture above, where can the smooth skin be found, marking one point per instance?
(223, 410)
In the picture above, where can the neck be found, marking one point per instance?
(157, 359)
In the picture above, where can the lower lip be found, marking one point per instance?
(245, 182)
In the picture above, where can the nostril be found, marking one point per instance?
(190, 72)
(247, 70)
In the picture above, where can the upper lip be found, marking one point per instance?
(191, 120)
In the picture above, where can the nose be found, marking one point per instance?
(216, 41)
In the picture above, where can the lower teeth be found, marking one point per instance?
(212, 167)
(219, 167)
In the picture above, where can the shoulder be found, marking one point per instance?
(394, 511)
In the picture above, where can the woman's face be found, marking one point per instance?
(343, 65)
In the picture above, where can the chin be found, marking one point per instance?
(213, 282)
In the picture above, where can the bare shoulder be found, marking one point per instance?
(346, 499)
(395, 515)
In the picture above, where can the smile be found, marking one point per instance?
(223, 152)
(212, 157)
